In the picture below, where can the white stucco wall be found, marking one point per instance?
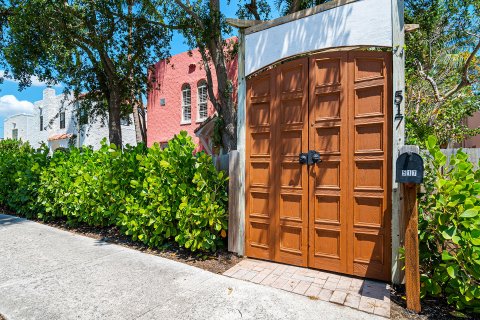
(361, 23)
(50, 107)
(91, 134)
(23, 122)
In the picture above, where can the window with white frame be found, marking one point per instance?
(202, 101)
(62, 119)
(125, 120)
(83, 117)
(41, 119)
(186, 103)
(15, 134)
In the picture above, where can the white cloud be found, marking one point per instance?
(10, 105)
(35, 81)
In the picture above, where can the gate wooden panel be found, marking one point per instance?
(277, 185)
(370, 162)
(329, 135)
(291, 112)
(259, 183)
(334, 215)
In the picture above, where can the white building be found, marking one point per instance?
(18, 126)
(55, 121)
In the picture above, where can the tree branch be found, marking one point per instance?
(295, 6)
(432, 82)
(148, 21)
(208, 72)
(189, 10)
(473, 34)
(465, 81)
(253, 9)
(5, 13)
(96, 65)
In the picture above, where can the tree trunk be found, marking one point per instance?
(227, 108)
(229, 132)
(136, 119)
(142, 118)
(224, 102)
(137, 124)
(114, 126)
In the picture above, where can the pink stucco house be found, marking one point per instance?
(473, 122)
(178, 98)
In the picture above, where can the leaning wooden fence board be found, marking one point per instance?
(235, 232)
(229, 163)
(221, 162)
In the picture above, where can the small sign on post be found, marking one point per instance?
(410, 173)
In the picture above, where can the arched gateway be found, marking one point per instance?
(317, 135)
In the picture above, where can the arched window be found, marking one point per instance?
(202, 100)
(186, 103)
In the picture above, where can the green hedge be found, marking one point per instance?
(152, 195)
(177, 194)
(449, 229)
(20, 171)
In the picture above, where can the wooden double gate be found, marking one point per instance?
(334, 214)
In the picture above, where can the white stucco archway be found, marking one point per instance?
(338, 23)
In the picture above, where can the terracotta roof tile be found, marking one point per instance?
(61, 136)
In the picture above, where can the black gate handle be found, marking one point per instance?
(303, 158)
(315, 156)
(309, 158)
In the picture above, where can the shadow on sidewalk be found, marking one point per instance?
(6, 220)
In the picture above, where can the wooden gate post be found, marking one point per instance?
(412, 263)
(398, 134)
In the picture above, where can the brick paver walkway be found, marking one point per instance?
(365, 295)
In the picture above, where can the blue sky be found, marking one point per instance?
(13, 101)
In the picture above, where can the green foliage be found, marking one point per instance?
(291, 6)
(87, 186)
(101, 49)
(449, 227)
(20, 168)
(180, 195)
(152, 195)
(442, 89)
(217, 132)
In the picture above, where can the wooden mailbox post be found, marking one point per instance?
(409, 173)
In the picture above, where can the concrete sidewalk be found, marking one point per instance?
(46, 273)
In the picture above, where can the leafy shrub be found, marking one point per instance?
(152, 195)
(20, 169)
(179, 196)
(449, 230)
(87, 186)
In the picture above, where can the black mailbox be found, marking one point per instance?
(409, 168)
